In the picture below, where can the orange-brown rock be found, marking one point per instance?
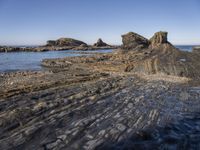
(159, 38)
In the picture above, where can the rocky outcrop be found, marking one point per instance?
(161, 57)
(196, 49)
(133, 40)
(100, 43)
(60, 44)
(51, 43)
(65, 42)
(79, 108)
(159, 38)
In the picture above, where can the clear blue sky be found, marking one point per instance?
(30, 22)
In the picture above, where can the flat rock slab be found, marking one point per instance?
(92, 110)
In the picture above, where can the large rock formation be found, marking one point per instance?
(159, 38)
(133, 40)
(65, 42)
(100, 43)
(154, 56)
(160, 41)
(161, 57)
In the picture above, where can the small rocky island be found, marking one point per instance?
(60, 44)
(145, 95)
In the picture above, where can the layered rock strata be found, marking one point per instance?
(124, 100)
(160, 56)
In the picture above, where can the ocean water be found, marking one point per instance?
(18, 61)
(185, 47)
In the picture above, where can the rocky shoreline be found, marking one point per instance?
(143, 96)
(196, 49)
(59, 45)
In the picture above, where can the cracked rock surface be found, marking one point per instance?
(92, 110)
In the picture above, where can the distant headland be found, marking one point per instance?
(60, 44)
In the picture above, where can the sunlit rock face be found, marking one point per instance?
(159, 38)
(133, 40)
(158, 56)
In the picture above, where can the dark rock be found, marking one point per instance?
(65, 42)
(51, 43)
(100, 43)
(133, 40)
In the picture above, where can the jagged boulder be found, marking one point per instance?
(100, 43)
(133, 40)
(159, 38)
(65, 42)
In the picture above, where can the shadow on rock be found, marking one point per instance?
(180, 135)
